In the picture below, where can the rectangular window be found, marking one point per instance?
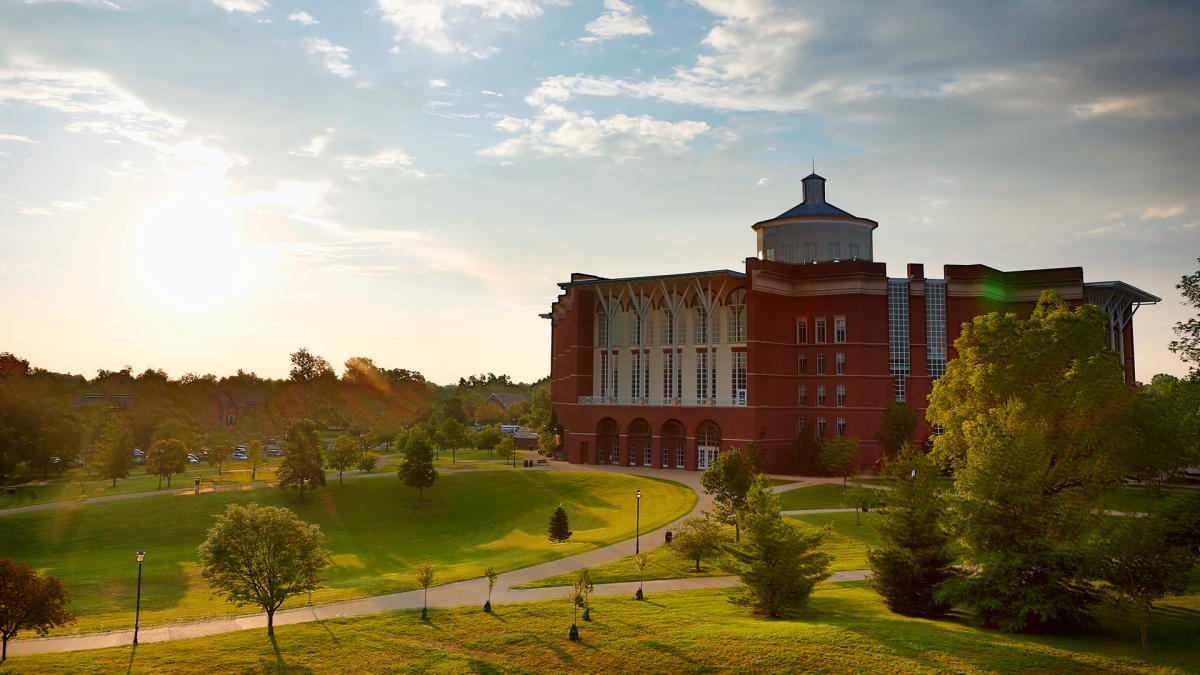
(839, 329)
(935, 327)
(679, 376)
(810, 251)
(679, 457)
(820, 395)
(839, 364)
(739, 378)
(616, 372)
(787, 253)
(650, 331)
(701, 326)
(820, 428)
(854, 251)
(646, 375)
(604, 375)
(666, 458)
(835, 250)
(841, 426)
(801, 364)
(898, 345)
(841, 396)
(938, 430)
(820, 331)
(801, 396)
(900, 386)
(701, 377)
(667, 379)
(635, 330)
(601, 330)
(737, 323)
(636, 374)
(802, 332)
(801, 425)
(668, 329)
(771, 254)
(646, 455)
(820, 364)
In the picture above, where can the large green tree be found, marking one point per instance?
(451, 435)
(302, 466)
(344, 454)
(29, 602)
(1031, 414)
(840, 457)
(729, 479)
(417, 468)
(115, 457)
(696, 539)
(778, 563)
(165, 458)
(262, 555)
(915, 555)
(1187, 344)
(897, 427)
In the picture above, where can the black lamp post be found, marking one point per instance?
(637, 531)
(138, 613)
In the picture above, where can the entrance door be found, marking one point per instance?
(708, 454)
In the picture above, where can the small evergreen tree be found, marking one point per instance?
(916, 554)
(897, 427)
(559, 529)
(417, 468)
(778, 563)
(806, 454)
(840, 457)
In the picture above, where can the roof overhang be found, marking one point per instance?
(815, 218)
(1120, 290)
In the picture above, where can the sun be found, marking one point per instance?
(188, 251)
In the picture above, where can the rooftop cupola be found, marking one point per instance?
(814, 189)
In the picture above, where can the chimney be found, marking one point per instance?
(814, 189)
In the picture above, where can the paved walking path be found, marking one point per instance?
(458, 594)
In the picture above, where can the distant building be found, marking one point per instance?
(231, 404)
(111, 401)
(497, 405)
(668, 370)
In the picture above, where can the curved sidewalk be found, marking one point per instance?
(458, 594)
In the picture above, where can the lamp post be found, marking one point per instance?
(138, 612)
(637, 528)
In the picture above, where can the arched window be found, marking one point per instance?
(607, 443)
(672, 444)
(639, 443)
(708, 443)
(737, 315)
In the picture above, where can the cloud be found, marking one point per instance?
(33, 210)
(15, 137)
(762, 182)
(1162, 212)
(557, 132)
(86, 3)
(386, 159)
(425, 23)
(314, 147)
(436, 84)
(247, 6)
(335, 57)
(303, 18)
(619, 20)
(97, 106)
(489, 92)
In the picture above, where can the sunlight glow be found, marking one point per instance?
(188, 252)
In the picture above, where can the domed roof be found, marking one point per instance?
(814, 203)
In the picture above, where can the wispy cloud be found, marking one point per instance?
(247, 6)
(618, 21)
(86, 3)
(426, 23)
(303, 18)
(386, 159)
(1162, 211)
(334, 57)
(15, 137)
(438, 84)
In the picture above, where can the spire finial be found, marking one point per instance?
(814, 162)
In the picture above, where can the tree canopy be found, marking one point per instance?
(262, 555)
(417, 468)
(1030, 410)
(29, 602)
(302, 466)
(1187, 342)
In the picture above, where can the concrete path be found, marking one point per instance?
(458, 594)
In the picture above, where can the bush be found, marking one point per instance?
(367, 461)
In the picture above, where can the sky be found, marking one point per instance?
(208, 185)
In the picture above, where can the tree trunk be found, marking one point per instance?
(169, 481)
(697, 564)
(339, 476)
(737, 532)
(114, 481)
(271, 622)
(4, 649)
(160, 482)
(1143, 619)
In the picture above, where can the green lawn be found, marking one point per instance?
(846, 542)
(815, 497)
(662, 563)
(376, 529)
(76, 486)
(1136, 499)
(844, 629)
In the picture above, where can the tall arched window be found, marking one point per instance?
(607, 443)
(672, 444)
(708, 443)
(639, 443)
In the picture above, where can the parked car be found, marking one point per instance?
(273, 452)
(193, 459)
(139, 457)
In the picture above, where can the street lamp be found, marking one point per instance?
(138, 613)
(637, 531)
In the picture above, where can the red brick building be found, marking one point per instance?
(666, 371)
